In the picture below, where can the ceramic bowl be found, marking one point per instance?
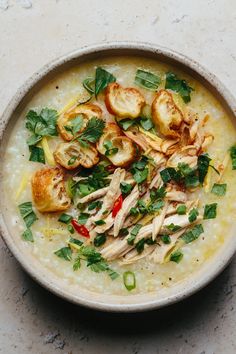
(130, 303)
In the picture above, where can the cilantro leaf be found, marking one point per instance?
(27, 213)
(181, 209)
(159, 193)
(65, 218)
(43, 123)
(166, 239)
(125, 187)
(65, 253)
(99, 240)
(203, 163)
(75, 125)
(193, 234)
(179, 86)
(28, 236)
(125, 124)
(75, 241)
(110, 149)
(77, 263)
(210, 211)
(83, 217)
(92, 132)
(172, 227)
(36, 154)
(147, 80)
(233, 156)
(193, 214)
(176, 256)
(88, 84)
(134, 232)
(219, 189)
(97, 204)
(102, 79)
(146, 123)
(139, 170)
(169, 174)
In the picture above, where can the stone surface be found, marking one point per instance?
(31, 34)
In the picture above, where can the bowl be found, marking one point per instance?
(130, 303)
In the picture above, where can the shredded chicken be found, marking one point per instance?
(158, 221)
(92, 196)
(112, 193)
(161, 250)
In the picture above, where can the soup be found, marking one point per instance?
(119, 176)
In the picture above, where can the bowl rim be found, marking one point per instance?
(153, 49)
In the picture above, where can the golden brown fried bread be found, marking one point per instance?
(65, 120)
(123, 102)
(48, 189)
(73, 154)
(125, 151)
(166, 115)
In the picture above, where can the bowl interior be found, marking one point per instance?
(48, 279)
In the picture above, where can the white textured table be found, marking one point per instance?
(32, 32)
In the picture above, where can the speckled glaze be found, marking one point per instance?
(131, 303)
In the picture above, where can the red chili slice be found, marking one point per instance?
(81, 229)
(117, 206)
(111, 168)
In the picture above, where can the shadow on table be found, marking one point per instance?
(191, 309)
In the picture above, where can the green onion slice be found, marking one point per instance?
(129, 280)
